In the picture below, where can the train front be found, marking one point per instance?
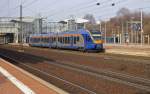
(97, 40)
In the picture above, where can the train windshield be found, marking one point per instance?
(96, 35)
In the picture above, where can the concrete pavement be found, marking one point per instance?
(130, 49)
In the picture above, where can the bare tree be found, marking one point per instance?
(91, 18)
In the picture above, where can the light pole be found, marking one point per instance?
(141, 27)
(105, 32)
(100, 25)
(21, 31)
(132, 32)
(122, 33)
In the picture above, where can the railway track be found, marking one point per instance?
(11, 60)
(139, 83)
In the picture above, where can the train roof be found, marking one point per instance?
(80, 31)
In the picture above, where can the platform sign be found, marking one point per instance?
(136, 27)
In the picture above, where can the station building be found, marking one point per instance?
(10, 29)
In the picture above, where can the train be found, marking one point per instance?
(81, 39)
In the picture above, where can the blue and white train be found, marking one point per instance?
(78, 40)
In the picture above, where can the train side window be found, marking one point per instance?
(58, 39)
(30, 39)
(42, 39)
(61, 40)
(78, 38)
(53, 39)
(50, 39)
(74, 40)
(36, 39)
(68, 39)
(46, 40)
(65, 40)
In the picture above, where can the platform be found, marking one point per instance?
(14, 80)
(130, 49)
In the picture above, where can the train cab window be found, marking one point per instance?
(88, 38)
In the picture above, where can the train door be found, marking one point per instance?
(71, 41)
(87, 40)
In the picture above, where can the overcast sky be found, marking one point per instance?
(62, 9)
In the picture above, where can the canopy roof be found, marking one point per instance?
(78, 20)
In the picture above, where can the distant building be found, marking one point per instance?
(10, 29)
(76, 23)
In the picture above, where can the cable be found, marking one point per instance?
(103, 3)
(72, 8)
(81, 8)
(31, 3)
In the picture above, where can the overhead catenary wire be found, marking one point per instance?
(88, 6)
(102, 6)
(30, 3)
(83, 4)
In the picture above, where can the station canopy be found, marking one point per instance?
(24, 19)
(78, 20)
